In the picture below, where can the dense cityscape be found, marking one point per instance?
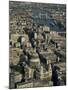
(37, 44)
